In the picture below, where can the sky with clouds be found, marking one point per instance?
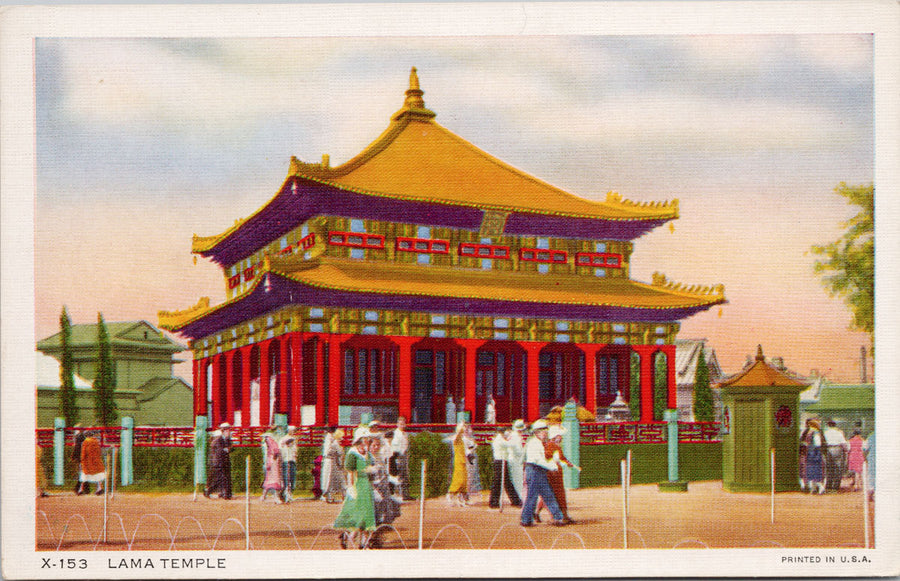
(143, 142)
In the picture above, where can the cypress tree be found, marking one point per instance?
(703, 397)
(67, 408)
(660, 385)
(634, 390)
(105, 383)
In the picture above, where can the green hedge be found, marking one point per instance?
(172, 469)
(649, 463)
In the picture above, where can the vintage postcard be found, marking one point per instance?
(450, 290)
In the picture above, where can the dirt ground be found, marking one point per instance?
(705, 516)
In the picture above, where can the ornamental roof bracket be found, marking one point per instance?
(615, 199)
(660, 280)
(173, 319)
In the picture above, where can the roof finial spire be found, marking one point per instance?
(759, 353)
(414, 93)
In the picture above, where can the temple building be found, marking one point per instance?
(424, 277)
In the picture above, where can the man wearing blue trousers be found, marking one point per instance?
(536, 467)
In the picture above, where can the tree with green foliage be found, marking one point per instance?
(848, 263)
(67, 408)
(105, 383)
(634, 387)
(660, 385)
(703, 396)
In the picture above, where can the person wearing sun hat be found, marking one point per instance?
(458, 491)
(815, 458)
(332, 474)
(516, 457)
(536, 467)
(357, 515)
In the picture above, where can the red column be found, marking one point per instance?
(216, 386)
(334, 377)
(590, 375)
(264, 374)
(196, 386)
(646, 353)
(229, 387)
(246, 352)
(296, 378)
(284, 379)
(471, 346)
(320, 380)
(405, 374)
(670, 377)
(532, 379)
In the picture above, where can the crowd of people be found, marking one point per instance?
(827, 457)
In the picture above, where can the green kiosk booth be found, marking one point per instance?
(761, 411)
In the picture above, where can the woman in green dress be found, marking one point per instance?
(357, 516)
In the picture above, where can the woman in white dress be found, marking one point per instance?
(516, 457)
(332, 466)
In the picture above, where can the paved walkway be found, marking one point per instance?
(705, 516)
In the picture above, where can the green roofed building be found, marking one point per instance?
(145, 386)
(851, 406)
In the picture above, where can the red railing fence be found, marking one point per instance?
(592, 434)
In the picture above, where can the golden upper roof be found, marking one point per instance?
(418, 159)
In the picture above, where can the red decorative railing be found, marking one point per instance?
(592, 434)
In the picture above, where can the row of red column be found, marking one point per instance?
(291, 370)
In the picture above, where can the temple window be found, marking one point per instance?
(501, 323)
(437, 333)
(371, 315)
(660, 330)
(316, 313)
(356, 241)
(619, 341)
(316, 328)
(600, 247)
(562, 326)
(543, 256)
(501, 335)
(370, 330)
(422, 245)
(598, 259)
(562, 338)
(601, 272)
(486, 252)
(438, 320)
(618, 328)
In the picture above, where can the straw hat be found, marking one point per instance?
(518, 425)
(361, 433)
(555, 430)
(224, 426)
(539, 425)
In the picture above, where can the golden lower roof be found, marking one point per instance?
(434, 281)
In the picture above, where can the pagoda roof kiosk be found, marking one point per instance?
(423, 276)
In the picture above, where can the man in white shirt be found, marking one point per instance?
(536, 467)
(836, 449)
(500, 448)
(400, 457)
